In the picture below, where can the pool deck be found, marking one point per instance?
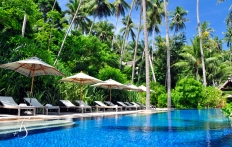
(54, 115)
(13, 123)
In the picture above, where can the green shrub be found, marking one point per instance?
(187, 93)
(158, 90)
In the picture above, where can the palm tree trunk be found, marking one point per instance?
(92, 25)
(168, 57)
(112, 44)
(50, 36)
(152, 46)
(67, 32)
(146, 56)
(202, 53)
(152, 70)
(140, 68)
(124, 36)
(136, 47)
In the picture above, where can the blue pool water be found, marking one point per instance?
(179, 128)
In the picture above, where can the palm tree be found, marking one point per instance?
(206, 30)
(146, 55)
(228, 39)
(126, 31)
(103, 30)
(81, 21)
(67, 32)
(201, 48)
(178, 19)
(120, 7)
(98, 8)
(168, 57)
(192, 59)
(124, 36)
(155, 13)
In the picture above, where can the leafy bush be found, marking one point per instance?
(227, 110)
(213, 97)
(157, 96)
(187, 93)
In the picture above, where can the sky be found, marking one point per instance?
(209, 11)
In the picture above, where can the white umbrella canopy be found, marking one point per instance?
(32, 67)
(131, 87)
(110, 84)
(81, 78)
(144, 89)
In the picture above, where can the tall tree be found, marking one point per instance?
(168, 57)
(103, 30)
(146, 55)
(178, 20)
(98, 9)
(120, 7)
(81, 21)
(124, 36)
(126, 31)
(70, 26)
(201, 48)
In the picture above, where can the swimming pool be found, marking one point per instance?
(193, 128)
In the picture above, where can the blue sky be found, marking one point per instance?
(209, 10)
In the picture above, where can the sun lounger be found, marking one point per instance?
(83, 105)
(34, 102)
(129, 104)
(126, 106)
(143, 106)
(103, 106)
(9, 103)
(67, 104)
(135, 104)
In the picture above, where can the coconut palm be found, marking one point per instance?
(146, 55)
(81, 21)
(98, 9)
(178, 20)
(207, 31)
(228, 40)
(127, 31)
(192, 59)
(70, 26)
(201, 48)
(120, 7)
(103, 30)
(168, 57)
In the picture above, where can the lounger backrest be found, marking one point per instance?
(141, 104)
(99, 103)
(109, 103)
(33, 102)
(8, 101)
(135, 104)
(81, 103)
(121, 103)
(67, 103)
(129, 104)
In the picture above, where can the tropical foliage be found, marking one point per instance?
(105, 50)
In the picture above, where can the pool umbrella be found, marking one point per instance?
(144, 89)
(131, 87)
(81, 78)
(110, 84)
(32, 67)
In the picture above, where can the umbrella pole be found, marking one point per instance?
(110, 93)
(32, 82)
(81, 92)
